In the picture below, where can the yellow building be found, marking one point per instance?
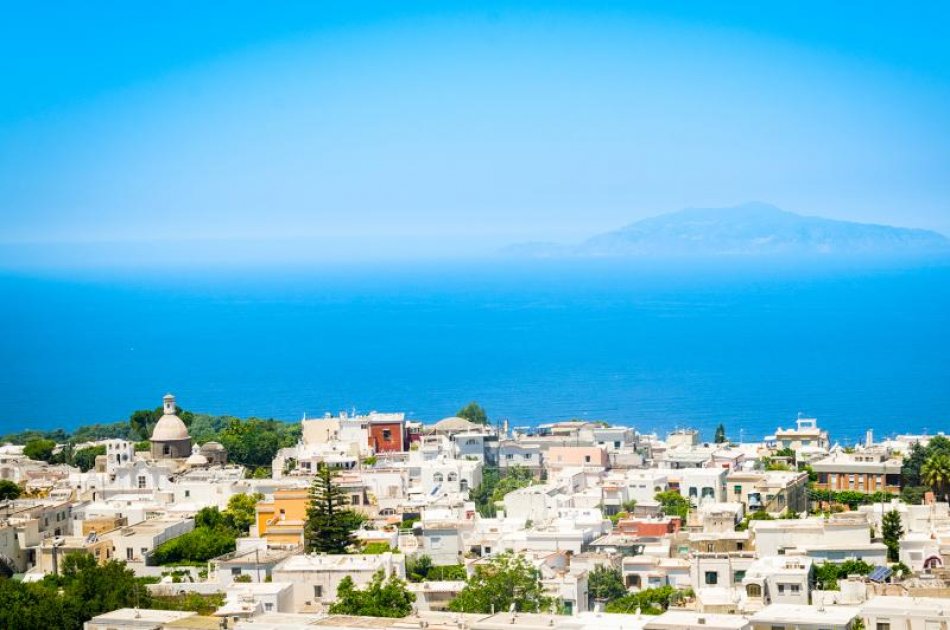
(281, 521)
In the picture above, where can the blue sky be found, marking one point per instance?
(361, 129)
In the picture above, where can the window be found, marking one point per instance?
(712, 578)
(166, 450)
(883, 625)
(318, 591)
(463, 484)
(268, 606)
(739, 547)
(737, 489)
(128, 553)
(235, 571)
(453, 477)
(738, 575)
(141, 481)
(795, 588)
(753, 590)
(354, 499)
(586, 459)
(438, 478)
(387, 435)
(617, 444)
(527, 455)
(187, 493)
(509, 455)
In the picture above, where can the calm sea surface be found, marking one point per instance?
(653, 347)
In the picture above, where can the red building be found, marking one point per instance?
(387, 434)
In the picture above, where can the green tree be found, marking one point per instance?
(241, 512)
(418, 567)
(39, 449)
(720, 434)
(473, 412)
(673, 503)
(936, 473)
(605, 584)
(100, 588)
(9, 490)
(910, 468)
(382, 597)
(891, 532)
(651, 601)
(199, 545)
(330, 522)
(85, 458)
(505, 580)
(255, 442)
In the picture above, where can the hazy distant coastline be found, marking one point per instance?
(751, 229)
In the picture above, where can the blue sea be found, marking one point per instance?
(654, 346)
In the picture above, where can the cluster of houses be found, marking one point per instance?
(593, 503)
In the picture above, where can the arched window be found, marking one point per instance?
(753, 590)
(463, 485)
(437, 477)
(453, 476)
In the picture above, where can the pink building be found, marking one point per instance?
(559, 457)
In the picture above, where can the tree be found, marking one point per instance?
(418, 567)
(241, 512)
(9, 490)
(255, 442)
(605, 584)
(720, 434)
(199, 545)
(85, 458)
(504, 581)
(936, 473)
(473, 412)
(382, 597)
(891, 532)
(910, 469)
(330, 523)
(39, 449)
(651, 601)
(673, 503)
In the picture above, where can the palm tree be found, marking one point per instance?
(936, 473)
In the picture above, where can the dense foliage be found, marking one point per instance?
(420, 569)
(382, 597)
(936, 473)
(851, 498)
(495, 486)
(215, 533)
(9, 490)
(473, 412)
(605, 584)
(40, 449)
(330, 520)
(82, 591)
(504, 581)
(912, 468)
(673, 503)
(651, 601)
(827, 574)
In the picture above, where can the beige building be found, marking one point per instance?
(773, 491)
(871, 470)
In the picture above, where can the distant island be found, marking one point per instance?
(743, 230)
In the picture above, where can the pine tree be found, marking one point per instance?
(330, 523)
(891, 532)
(720, 434)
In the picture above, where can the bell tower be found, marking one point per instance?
(169, 401)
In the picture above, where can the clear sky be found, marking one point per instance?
(358, 129)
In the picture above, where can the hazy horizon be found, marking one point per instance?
(374, 131)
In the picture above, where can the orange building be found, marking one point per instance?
(281, 521)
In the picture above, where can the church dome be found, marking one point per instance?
(169, 427)
(455, 423)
